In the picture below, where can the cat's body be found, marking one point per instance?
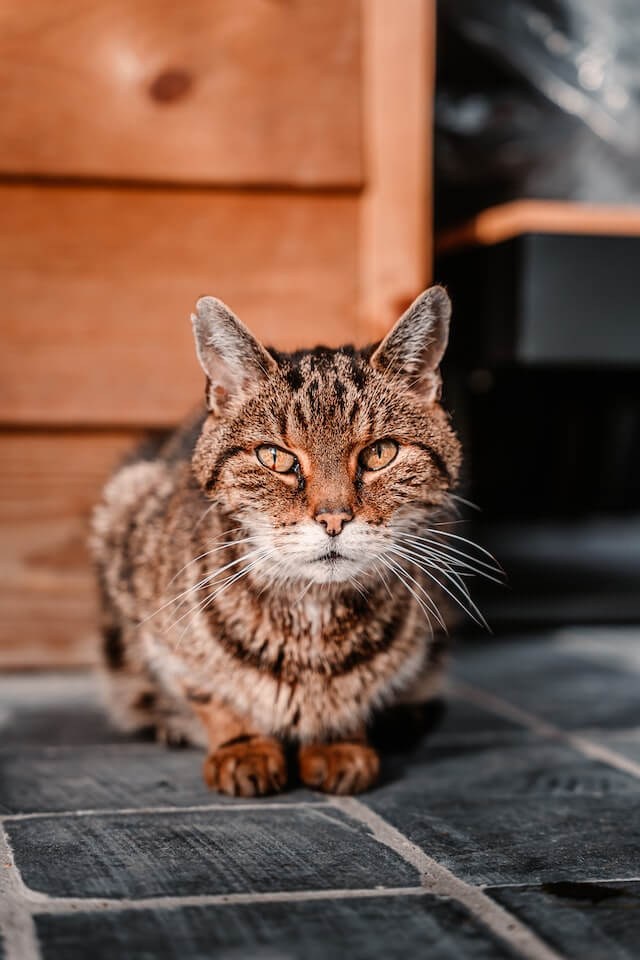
(255, 571)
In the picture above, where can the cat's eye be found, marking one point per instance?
(378, 455)
(275, 458)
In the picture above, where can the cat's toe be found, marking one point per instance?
(342, 768)
(248, 769)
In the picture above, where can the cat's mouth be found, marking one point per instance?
(330, 558)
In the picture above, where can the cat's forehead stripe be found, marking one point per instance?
(322, 361)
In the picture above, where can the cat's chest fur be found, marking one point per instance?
(303, 666)
(304, 663)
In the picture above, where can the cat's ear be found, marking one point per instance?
(414, 347)
(231, 357)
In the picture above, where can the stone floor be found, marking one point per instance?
(512, 829)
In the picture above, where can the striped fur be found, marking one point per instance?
(317, 635)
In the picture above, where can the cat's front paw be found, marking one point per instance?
(338, 767)
(248, 767)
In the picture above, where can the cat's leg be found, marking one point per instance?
(340, 766)
(241, 761)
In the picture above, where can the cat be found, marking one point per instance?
(274, 574)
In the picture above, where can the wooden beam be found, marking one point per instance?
(395, 212)
(540, 216)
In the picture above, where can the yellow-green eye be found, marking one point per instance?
(378, 455)
(275, 459)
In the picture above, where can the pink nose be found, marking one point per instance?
(333, 521)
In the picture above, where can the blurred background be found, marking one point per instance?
(537, 218)
(316, 163)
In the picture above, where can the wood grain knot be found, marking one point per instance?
(170, 85)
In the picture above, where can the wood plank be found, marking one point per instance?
(98, 285)
(48, 484)
(395, 217)
(211, 91)
(512, 219)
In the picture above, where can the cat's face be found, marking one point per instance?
(323, 454)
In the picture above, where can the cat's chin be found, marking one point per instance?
(330, 569)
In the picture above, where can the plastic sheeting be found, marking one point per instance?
(536, 99)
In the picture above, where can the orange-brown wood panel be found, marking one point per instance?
(98, 284)
(48, 483)
(395, 213)
(214, 91)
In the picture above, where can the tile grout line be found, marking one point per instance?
(496, 705)
(438, 880)
(18, 930)
(16, 909)
(198, 808)
(537, 884)
(41, 903)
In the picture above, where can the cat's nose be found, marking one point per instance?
(333, 520)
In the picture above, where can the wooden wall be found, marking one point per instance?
(274, 154)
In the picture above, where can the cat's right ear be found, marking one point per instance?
(233, 360)
(414, 347)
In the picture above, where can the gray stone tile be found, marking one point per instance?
(50, 779)
(445, 760)
(385, 928)
(517, 813)
(404, 735)
(561, 687)
(462, 719)
(62, 707)
(624, 742)
(599, 921)
(223, 851)
(617, 646)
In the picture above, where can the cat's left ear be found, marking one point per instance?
(414, 347)
(231, 357)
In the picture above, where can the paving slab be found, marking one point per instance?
(468, 721)
(563, 688)
(131, 775)
(595, 921)
(550, 834)
(62, 707)
(528, 812)
(623, 742)
(196, 853)
(385, 928)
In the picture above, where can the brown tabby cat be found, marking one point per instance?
(272, 575)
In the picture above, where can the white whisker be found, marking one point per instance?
(304, 593)
(426, 565)
(394, 570)
(474, 612)
(382, 576)
(467, 503)
(429, 599)
(203, 604)
(223, 546)
(435, 548)
(200, 583)
(456, 536)
(358, 587)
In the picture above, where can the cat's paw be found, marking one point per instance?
(248, 767)
(338, 767)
